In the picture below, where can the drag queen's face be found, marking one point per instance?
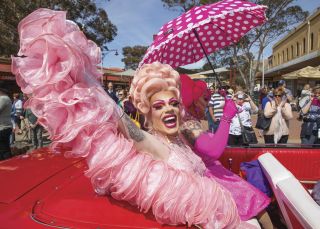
(165, 112)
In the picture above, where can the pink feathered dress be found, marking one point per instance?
(58, 65)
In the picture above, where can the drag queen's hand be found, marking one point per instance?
(213, 145)
(230, 109)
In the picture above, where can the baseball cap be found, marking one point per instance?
(240, 95)
(282, 82)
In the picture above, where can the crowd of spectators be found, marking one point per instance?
(274, 103)
(16, 120)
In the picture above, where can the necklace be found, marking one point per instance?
(174, 140)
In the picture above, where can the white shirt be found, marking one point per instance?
(244, 112)
(18, 107)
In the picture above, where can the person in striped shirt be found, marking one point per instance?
(215, 108)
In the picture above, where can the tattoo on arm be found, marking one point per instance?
(191, 132)
(134, 132)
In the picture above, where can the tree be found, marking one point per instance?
(133, 55)
(281, 14)
(93, 21)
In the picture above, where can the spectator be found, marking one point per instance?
(280, 111)
(304, 96)
(311, 118)
(17, 109)
(268, 97)
(215, 108)
(111, 92)
(316, 193)
(36, 129)
(122, 97)
(211, 89)
(287, 92)
(134, 114)
(262, 94)
(245, 107)
(230, 93)
(5, 124)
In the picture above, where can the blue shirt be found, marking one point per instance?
(265, 100)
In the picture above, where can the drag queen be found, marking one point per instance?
(152, 170)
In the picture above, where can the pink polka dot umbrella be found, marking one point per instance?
(202, 31)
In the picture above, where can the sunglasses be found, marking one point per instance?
(277, 95)
(120, 94)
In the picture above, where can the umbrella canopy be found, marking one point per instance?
(307, 72)
(203, 30)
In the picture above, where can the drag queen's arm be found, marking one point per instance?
(143, 141)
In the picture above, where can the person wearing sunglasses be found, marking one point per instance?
(310, 112)
(280, 111)
(122, 98)
(242, 121)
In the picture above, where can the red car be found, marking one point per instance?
(46, 189)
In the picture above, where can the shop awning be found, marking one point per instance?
(307, 72)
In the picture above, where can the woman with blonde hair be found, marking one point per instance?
(280, 112)
(152, 170)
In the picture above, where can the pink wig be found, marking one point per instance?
(150, 79)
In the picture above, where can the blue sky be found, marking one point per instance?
(138, 20)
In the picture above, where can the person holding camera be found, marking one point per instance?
(241, 122)
(310, 111)
(280, 112)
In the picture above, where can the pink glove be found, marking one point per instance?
(213, 145)
(229, 110)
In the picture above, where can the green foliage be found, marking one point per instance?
(185, 5)
(92, 20)
(133, 55)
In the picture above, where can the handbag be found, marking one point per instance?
(136, 119)
(263, 123)
(248, 134)
(255, 176)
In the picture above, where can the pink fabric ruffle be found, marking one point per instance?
(59, 69)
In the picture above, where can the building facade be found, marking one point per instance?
(298, 49)
(109, 75)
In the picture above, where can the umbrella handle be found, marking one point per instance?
(204, 51)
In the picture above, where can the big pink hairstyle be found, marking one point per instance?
(150, 79)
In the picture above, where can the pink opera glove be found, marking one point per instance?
(213, 145)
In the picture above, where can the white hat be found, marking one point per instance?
(230, 91)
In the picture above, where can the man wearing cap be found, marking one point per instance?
(287, 93)
(5, 124)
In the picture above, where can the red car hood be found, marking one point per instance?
(21, 174)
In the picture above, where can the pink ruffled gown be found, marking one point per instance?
(58, 66)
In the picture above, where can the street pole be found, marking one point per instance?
(103, 53)
(262, 84)
(102, 83)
